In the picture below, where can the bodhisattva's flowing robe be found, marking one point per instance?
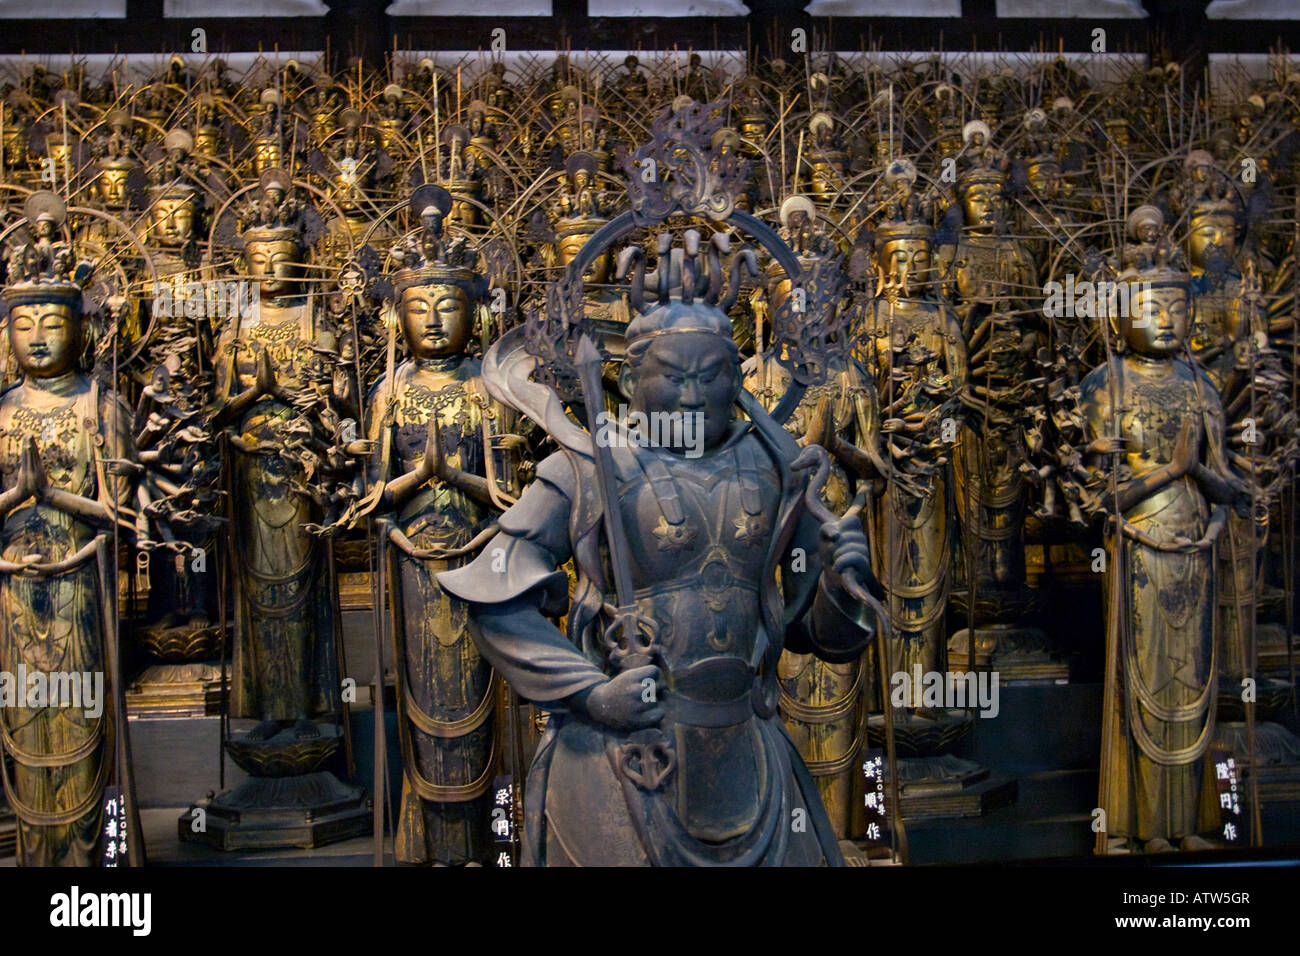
(912, 547)
(824, 704)
(284, 663)
(447, 689)
(61, 757)
(1166, 666)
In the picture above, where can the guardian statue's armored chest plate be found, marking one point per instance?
(699, 577)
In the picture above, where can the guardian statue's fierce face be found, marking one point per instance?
(695, 374)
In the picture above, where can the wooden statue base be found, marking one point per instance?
(309, 811)
(1272, 697)
(948, 787)
(1277, 760)
(176, 690)
(919, 734)
(1274, 660)
(1013, 653)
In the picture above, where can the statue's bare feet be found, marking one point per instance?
(305, 729)
(1158, 845)
(265, 730)
(1194, 843)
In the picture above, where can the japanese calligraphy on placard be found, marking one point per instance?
(1228, 790)
(503, 821)
(878, 830)
(114, 828)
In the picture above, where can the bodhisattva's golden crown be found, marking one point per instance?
(426, 259)
(44, 270)
(906, 213)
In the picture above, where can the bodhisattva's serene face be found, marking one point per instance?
(15, 142)
(111, 187)
(435, 320)
(172, 220)
(907, 258)
(1158, 326)
(687, 374)
(982, 204)
(463, 213)
(598, 271)
(274, 264)
(1211, 230)
(45, 338)
(57, 150)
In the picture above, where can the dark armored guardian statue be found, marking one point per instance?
(664, 745)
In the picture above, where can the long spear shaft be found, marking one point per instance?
(587, 359)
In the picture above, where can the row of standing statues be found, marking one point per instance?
(928, 339)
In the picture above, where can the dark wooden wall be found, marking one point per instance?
(1176, 30)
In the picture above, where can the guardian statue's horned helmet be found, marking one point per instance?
(690, 294)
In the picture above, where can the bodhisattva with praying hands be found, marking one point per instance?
(1153, 416)
(279, 388)
(440, 478)
(62, 437)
